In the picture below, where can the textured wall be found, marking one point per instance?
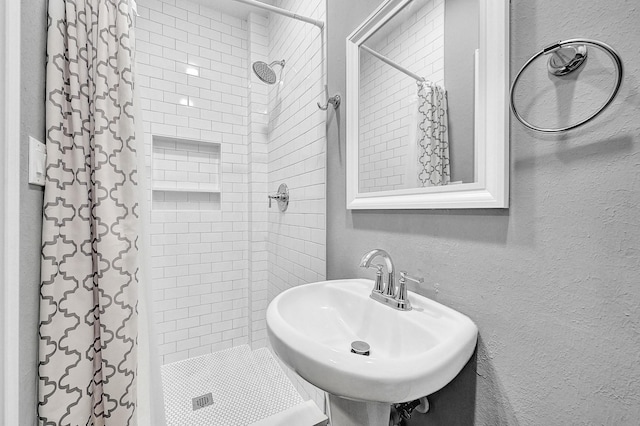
(3, 196)
(33, 47)
(552, 283)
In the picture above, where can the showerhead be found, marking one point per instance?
(265, 72)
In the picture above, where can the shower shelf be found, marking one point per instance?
(185, 189)
(185, 174)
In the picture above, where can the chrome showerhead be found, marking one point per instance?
(265, 72)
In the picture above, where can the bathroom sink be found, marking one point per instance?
(412, 353)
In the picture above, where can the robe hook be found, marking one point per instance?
(334, 101)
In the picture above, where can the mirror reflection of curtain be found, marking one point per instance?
(433, 136)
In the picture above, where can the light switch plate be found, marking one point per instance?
(37, 160)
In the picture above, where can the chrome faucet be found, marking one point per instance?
(388, 288)
(386, 293)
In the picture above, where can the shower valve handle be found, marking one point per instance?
(282, 197)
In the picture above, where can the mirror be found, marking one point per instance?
(427, 115)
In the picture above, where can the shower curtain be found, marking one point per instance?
(88, 295)
(433, 135)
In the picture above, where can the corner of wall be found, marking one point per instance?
(32, 110)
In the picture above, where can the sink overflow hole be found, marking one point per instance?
(202, 401)
(360, 348)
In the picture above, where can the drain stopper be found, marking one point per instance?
(360, 348)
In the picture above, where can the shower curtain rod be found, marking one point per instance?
(393, 64)
(274, 9)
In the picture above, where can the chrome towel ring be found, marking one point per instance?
(568, 56)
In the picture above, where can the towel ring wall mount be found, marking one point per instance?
(566, 57)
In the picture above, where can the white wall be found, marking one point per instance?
(193, 79)
(297, 149)
(258, 27)
(297, 153)
(388, 97)
(3, 196)
(214, 270)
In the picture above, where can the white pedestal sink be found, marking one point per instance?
(347, 412)
(413, 353)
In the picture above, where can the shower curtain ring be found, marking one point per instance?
(334, 101)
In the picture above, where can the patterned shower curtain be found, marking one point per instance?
(433, 135)
(88, 295)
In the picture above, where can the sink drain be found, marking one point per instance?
(360, 348)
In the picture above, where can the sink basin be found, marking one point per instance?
(412, 353)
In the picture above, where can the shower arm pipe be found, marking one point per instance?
(280, 11)
(393, 64)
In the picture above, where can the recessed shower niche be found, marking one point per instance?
(185, 174)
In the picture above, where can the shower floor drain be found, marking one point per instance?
(234, 387)
(202, 401)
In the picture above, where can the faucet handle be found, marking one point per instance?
(404, 275)
(379, 286)
(401, 295)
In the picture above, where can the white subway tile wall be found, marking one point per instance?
(193, 78)
(216, 267)
(297, 149)
(258, 182)
(297, 155)
(185, 164)
(388, 97)
(185, 174)
(173, 200)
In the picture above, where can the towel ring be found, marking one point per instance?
(568, 56)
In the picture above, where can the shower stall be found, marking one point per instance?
(228, 94)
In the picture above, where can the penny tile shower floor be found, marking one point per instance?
(245, 386)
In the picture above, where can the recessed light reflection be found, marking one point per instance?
(192, 71)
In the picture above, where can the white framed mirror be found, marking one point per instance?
(427, 106)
